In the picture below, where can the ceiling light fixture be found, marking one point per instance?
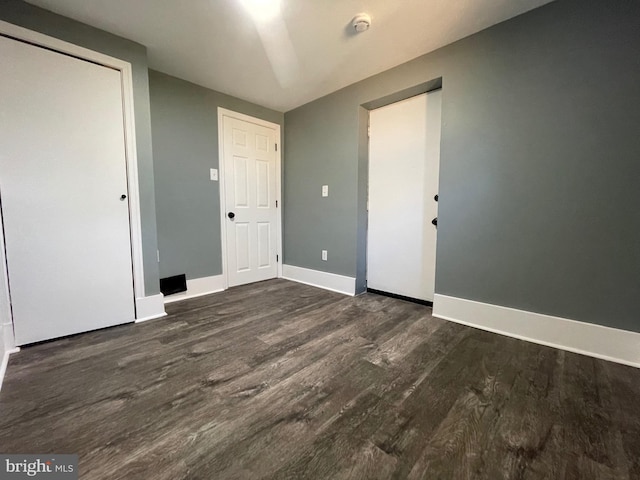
(361, 22)
(262, 11)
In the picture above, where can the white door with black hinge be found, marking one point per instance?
(251, 215)
(63, 192)
(404, 158)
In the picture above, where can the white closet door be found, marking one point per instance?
(404, 159)
(62, 182)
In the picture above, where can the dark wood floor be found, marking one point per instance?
(283, 381)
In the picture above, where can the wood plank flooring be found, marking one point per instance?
(278, 380)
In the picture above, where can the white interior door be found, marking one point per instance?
(250, 198)
(62, 178)
(404, 157)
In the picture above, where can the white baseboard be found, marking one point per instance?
(5, 362)
(597, 341)
(316, 278)
(198, 287)
(149, 308)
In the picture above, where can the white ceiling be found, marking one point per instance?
(216, 44)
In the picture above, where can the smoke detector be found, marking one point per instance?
(361, 22)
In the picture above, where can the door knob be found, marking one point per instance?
(436, 197)
(435, 221)
(231, 215)
(123, 197)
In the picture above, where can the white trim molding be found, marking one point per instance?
(597, 341)
(4, 362)
(6, 333)
(316, 278)
(198, 287)
(150, 308)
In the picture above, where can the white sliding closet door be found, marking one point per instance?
(63, 188)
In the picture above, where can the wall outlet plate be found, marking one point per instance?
(325, 190)
(324, 255)
(213, 174)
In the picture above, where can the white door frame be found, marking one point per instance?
(223, 112)
(39, 39)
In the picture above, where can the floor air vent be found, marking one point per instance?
(175, 284)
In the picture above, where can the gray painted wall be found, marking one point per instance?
(540, 165)
(43, 21)
(184, 118)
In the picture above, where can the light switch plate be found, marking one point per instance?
(325, 190)
(213, 174)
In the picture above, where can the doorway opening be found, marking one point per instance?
(402, 206)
